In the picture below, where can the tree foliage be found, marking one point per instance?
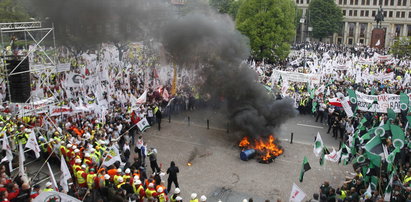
(12, 11)
(325, 17)
(402, 48)
(269, 24)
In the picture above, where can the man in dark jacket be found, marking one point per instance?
(172, 176)
(159, 116)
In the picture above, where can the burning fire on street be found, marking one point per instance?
(189, 164)
(264, 149)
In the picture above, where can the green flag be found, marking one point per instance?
(374, 182)
(391, 158)
(409, 121)
(404, 102)
(388, 189)
(398, 136)
(305, 167)
(375, 141)
(373, 103)
(391, 114)
(353, 99)
(314, 107)
(375, 159)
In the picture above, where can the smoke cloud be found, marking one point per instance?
(199, 39)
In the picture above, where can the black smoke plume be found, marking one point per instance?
(196, 37)
(210, 43)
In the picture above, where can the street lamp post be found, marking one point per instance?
(306, 37)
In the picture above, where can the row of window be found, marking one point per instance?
(363, 29)
(366, 2)
(366, 13)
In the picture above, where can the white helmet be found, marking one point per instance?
(136, 177)
(76, 151)
(106, 176)
(160, 189)
(137, 182)
(151, 185)
(127, 171)
(177, 190)
(84, 166)
(69, 146)
(120, 179)
(48, 184)
(92, 150)
(203, 198)
(74, 147)
(87, 155)
(119, 170)
(78, 161)
(178, 198)
(193, 196)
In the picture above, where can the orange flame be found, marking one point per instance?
(266, 148)
(244, 142)
(189, 164)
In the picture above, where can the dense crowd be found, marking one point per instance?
(94, 129)
(367, 72)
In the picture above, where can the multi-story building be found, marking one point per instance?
(358, 21)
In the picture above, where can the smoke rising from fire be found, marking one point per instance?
(200, 39)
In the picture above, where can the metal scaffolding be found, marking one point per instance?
(34, 36)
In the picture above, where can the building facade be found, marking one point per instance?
(358, 21)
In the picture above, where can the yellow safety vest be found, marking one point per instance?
(126, 178)
(116, 179)
(194, 200)
(149, 193)
(48, 189)
(80, 178)
(162, 197)
(137, 190)
(119, 185)
(90, 180)
(406, 179)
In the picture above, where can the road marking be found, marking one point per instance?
(311, 126)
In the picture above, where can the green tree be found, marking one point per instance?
(12, 11)
(325, 17)
(229, 7)
(269, 24)
(402, 48)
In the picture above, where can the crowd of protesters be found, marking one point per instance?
(87, 133)
(352, 68)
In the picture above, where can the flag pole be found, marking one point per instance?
(42, 166)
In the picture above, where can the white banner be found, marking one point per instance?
(296, 77)
(385, 101)
(63, 67)
(112, 156)
(54, 196)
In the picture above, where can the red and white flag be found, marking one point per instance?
(297, 194)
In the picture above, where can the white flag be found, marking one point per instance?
(143, 124)
(9, 154)
(65, 174)
(297, 194)
(318, 145)
(334, 156)
(112, 156)
(143, 98)
(33, 144)
(378, 43)
(346, 107)
(21, 163)
(53, 180)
